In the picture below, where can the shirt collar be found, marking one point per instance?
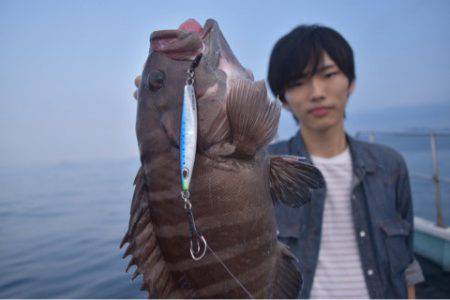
(362, 161)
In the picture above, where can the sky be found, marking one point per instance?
(67, 67)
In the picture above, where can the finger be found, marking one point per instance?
(135, 94)
(137, 81)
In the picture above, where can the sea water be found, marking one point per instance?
(61, 225)
(60, 229)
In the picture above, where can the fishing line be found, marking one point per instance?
(188, 144)
(230, 273)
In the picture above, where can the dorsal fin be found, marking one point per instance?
(291, 180)
(253, 118)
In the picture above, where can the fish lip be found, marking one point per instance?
(216, 48)
(165, 33)
(208, 26)
(174, 34)
(214, 45)
(167, 37)
(209, 39)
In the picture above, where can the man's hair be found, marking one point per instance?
(303, 48)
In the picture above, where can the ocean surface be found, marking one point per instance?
(60, 231)
(61, 225)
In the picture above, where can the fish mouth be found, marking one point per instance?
(219, 53)
(216, 72)
(184, 43)
(192, 39)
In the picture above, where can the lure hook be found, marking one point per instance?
(197, 255)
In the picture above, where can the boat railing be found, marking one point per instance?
(436, 178)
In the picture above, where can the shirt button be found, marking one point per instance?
(370, 272)
(354, 197)
(362, 233)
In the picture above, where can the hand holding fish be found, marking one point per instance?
(137, 83)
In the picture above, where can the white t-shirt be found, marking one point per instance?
(339, 272)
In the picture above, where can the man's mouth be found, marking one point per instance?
(320, 111)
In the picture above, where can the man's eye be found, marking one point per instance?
(329, 75)
(296, 84)
(155, 80)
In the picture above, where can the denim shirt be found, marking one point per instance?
(382, 215)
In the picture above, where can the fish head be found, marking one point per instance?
(160, 95)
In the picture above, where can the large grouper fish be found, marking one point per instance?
(235, 183)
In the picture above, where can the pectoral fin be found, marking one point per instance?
(291, 180)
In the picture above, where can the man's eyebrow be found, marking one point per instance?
(319, 69)
(326, 67)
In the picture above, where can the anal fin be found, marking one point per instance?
(288, 279)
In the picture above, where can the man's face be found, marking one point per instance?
(319, 101)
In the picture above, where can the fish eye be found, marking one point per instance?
(155, 80)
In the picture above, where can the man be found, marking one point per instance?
(354, 239)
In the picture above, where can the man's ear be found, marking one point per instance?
(286, 106)
(351, 87)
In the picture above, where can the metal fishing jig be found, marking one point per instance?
(188, 148)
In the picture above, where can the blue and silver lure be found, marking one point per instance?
(188, 133)
(188, 149)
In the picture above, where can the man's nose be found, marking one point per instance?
(317, 89)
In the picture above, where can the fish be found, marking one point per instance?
(234, 183)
